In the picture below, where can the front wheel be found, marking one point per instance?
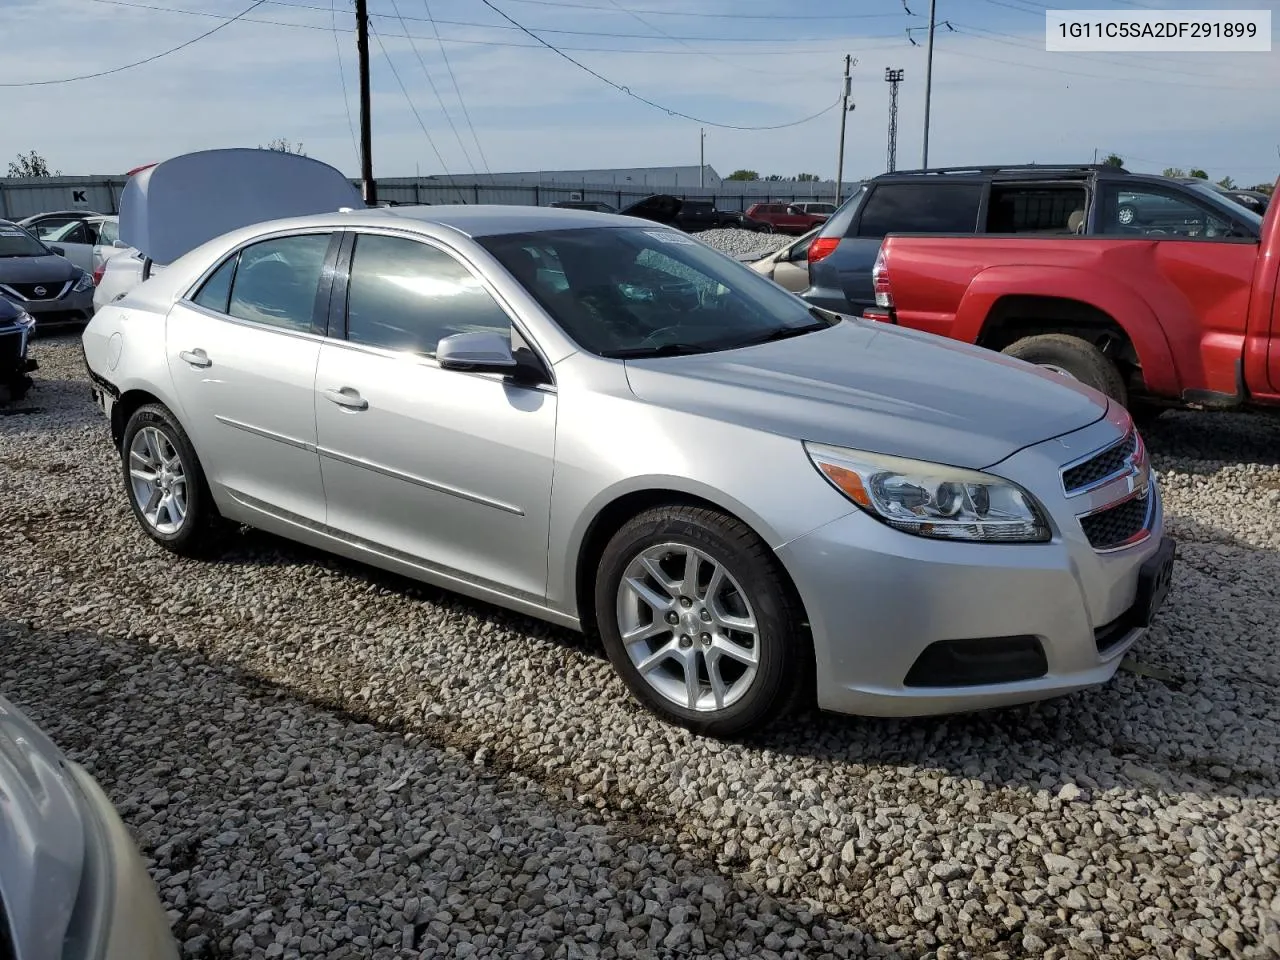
(696, 617)
(1074, 358)
(165, 482)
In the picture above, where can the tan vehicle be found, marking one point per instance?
(789, 266)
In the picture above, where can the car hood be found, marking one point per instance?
(41, 836)
(878, 388)
(50, 268)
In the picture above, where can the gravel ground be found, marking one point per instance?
(324, 760)
(735, 242)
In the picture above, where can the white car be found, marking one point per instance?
(87, 243)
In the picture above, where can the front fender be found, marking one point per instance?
(1117, 299)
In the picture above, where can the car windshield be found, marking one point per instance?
(632, 292)
(16, 242)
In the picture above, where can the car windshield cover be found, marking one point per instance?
(16, 242)
(632, 292)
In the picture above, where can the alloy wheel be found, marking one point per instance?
(158, 479)
(688, 627)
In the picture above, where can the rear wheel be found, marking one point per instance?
(698, 620)
(165, 482)
(1074, 358)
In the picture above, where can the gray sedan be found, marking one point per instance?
(72, 884)
(39, 279)
(602, 422)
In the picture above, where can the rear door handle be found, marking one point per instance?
(196, 357)
(347, 397)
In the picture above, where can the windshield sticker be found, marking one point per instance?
(668, 236)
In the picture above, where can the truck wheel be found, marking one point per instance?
(1074, 358)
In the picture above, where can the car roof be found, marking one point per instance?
(472, 220)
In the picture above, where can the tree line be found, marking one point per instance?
(1226, 183)
(34, 165)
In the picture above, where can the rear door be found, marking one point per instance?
(243, 353)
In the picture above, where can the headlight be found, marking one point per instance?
(932, 500)
(84, 282)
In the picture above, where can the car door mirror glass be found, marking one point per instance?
(486, 352)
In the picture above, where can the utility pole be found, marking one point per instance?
(893, 77)
(844, 113)
(702, 156)
(928, 82)
(368, 188)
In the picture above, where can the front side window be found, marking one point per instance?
(47, 228)
(276, 281)
(74, 232)
(632, 292)
(921, 208)
(407, 296)
(1141, 210)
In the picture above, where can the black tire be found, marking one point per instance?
(765, 228)
(784, 651)
(197, 534)
(1079, 358)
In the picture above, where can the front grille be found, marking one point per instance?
(1105, 464)
(50, 318)
(1115, 525)
(31, 291)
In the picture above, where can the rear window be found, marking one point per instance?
(921, 208)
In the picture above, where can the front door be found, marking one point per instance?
(446, 468)
(243, 355)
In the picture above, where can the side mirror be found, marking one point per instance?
(60, 251)
(477, 352)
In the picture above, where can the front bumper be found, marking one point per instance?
(133, 924)
(73, 307)
(906, 626)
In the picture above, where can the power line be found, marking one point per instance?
(720, 16)
(342, 75)
(635, 96)
(711, 56)
(409, 100)
(876, 40)
(458, 90)
(138, 63)
(430, 80)
(573, 33)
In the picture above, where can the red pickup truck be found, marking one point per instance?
(1156, 297)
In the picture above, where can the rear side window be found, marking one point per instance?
(1027, 208)
(216, 291)
(276, 281)
(921, 208)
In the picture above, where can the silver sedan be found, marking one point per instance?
(72, 883)
(606, 424)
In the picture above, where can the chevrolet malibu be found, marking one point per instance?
(601, 422)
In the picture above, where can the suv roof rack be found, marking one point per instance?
(1021, 167)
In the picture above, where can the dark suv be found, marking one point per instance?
(1004, 201)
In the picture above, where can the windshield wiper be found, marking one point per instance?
(666, 350)
(781, 333)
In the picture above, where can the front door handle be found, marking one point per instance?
(196, 357)
(347, 397)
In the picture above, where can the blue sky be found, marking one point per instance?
(502, 101)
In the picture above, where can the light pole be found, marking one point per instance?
(369, 188)
(893, 77)
(702, 156)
